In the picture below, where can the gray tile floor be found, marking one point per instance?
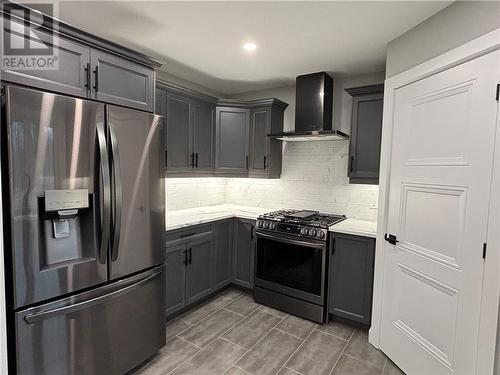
(233, 335)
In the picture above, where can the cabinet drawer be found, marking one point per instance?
(186, 234)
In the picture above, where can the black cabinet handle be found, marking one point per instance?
(192, 160)
(196, 160)
(265, 162)
(333, 244)
(185, 258)
(246, 162)
(352, 164)
(190, 255)
(391, 238)
(96, 78)
(187, 234)
(166, 158)
(252, 232)
(87, 76)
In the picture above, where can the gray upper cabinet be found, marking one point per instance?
(199, 270)
(352, 260)
(203, 117)
(179, 149)
(231, 140)
(175, 271)
(259, 143)
(122, 82)
(70, 74)
(266, 153)
(366, 133)
(83, 65)
(243, 253)
(222, 253)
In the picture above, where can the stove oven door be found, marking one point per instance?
(291, 266)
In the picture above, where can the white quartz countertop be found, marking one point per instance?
(202, 215)
(357, 227)
(195, 216)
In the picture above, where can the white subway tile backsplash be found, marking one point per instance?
(314, 176)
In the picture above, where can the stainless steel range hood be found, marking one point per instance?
(313, 111)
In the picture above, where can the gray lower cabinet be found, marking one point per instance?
(223, 253)
(69, 75)
(231, 140)
(244, 252)
(199, 269)
(366, 134)
(352, 260)
(122, 82)
(175, 271)
(188, 267)
(204, 258)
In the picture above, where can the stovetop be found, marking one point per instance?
(303, 217)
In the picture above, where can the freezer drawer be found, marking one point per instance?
(108, 330)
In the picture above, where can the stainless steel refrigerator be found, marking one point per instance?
(83, 196)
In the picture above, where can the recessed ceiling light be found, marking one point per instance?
(249, 46)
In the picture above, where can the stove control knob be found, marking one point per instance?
(259, 224)
(266, 225)
(303, 231)
(312, 232)
(273, 226)
(321, 234)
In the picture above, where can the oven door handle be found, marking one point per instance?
(292, 241)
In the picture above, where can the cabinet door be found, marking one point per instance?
(366, 132)
(351, 277)
(175, 269)
(69, 75)
(161, 102)
(232, 133)
(259, 142)
(198, 271)
(203, 135)
(179, 154)
(122, 82)
(222, 254)
(244, 253)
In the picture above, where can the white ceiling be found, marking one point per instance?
(202, 41)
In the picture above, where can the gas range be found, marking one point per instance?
(301, 223)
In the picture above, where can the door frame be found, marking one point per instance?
(483, 45)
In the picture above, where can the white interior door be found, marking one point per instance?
(440, 178)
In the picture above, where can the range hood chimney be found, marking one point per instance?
(313, 110)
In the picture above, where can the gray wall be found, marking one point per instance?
(342, 101)
(459, 23)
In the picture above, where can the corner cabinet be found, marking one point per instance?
(351, 267)
(366, 133)
(242, 144)
(86, 67)
(231, 140)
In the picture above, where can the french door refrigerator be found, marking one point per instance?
(84, 220)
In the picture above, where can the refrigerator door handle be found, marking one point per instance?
(117, 198)
(42, 315)
(106, 192)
